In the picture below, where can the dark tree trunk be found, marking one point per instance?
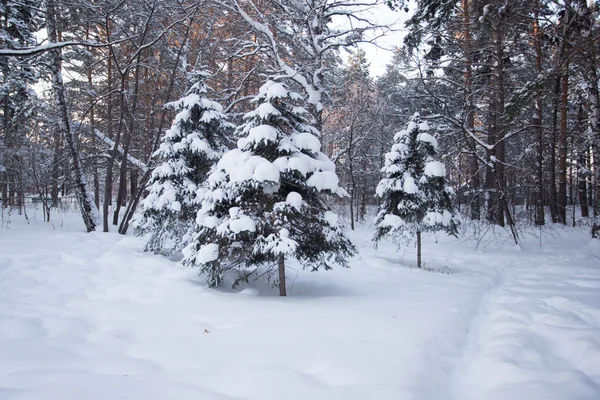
(562, 147)
(418, 249)
(470, 114)
(540, 218)
(109, 166)
(553, 192)
(281, 265)
(498, 93)
(111, 161)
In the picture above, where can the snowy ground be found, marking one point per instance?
(90, 316)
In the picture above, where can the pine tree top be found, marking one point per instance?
(277, 138)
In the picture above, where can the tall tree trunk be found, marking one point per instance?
(281, 265)
(582, 189)
(93, 129)
(115, 151)
(470, 114)
(109, 166)
(562, 145)
(89, 212)
(418, 249)
(351, 176)
(554, 214)
(498, 93)
(4, 139)
(540, 218)
(490, 181)
(581, 177)
(56, 161)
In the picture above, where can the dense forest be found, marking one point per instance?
(510, 88)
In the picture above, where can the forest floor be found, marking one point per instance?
(92, 317)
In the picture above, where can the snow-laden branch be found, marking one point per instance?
(42, 48)
(142, 166)
(111, 144)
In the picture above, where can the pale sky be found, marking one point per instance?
(379, 56)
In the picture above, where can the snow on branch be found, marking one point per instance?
(42, 48)
(142, 166)
(111, 144)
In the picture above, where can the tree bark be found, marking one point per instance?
(111, 161)
(498, 94)
(581, 178)
(88, 208)
(93, 129)
(281, 265)
(109, 166)
(562, 146)
(418, 249)
(554, 214)
(470, 114)
(540, 218)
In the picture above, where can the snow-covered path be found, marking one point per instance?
(90, 316)
(537, 334)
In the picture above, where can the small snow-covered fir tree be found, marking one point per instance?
(188, 151)
(414, 192)
(264, 202)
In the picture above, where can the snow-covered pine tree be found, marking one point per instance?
(264, 202)
(188, 151)
(19, 20)
(414, 192)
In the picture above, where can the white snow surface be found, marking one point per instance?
(91, 316)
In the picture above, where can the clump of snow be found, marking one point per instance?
(176, 206)
(428, 138)
(392, 221)
(435, 169)
(266, 172)
(295, 200)
(265, 110)
(437, 218)
(208, 252)
(331, 218)
(323, 180)
(409, 187)
(262, 133)
(239, 222)
(307, 141)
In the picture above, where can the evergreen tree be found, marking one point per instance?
(189, 150)
(19, 20)
(264, 202)
(414, 192)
